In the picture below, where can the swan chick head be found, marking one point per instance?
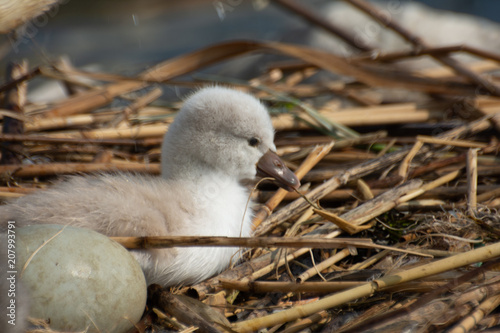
(222, 130)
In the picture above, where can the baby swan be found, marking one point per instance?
(219, 139)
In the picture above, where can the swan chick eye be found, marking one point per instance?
(254, 142)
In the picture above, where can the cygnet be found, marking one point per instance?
(218, 141)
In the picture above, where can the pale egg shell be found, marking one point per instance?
(80, 279)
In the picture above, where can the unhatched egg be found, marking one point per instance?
(79, 279)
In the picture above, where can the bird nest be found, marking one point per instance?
(394, 228)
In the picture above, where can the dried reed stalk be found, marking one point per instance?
(486, 192)
(153, 242)
(285, 287)
(81, 141)
(129, 132)
(42, 124)
(319, 287)
(367, 116)
(317, 268)
(448, 142)
(304, 323)
(36, 170)
(472, 181)
(405, 164)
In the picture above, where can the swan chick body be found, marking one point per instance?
(216, 142)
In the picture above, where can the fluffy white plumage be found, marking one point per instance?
(207, 152)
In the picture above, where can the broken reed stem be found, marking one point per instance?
(405, 164)
(317, 268)
(187, 310)
(463, 259)
(365, 190)
(368, 262)
(312, 159)
(472, 181)
(303, 324)
(344, 225)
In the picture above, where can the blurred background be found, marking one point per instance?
(125, 36)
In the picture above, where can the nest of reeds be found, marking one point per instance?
(410, 186)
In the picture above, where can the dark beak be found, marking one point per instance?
(270, 165)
